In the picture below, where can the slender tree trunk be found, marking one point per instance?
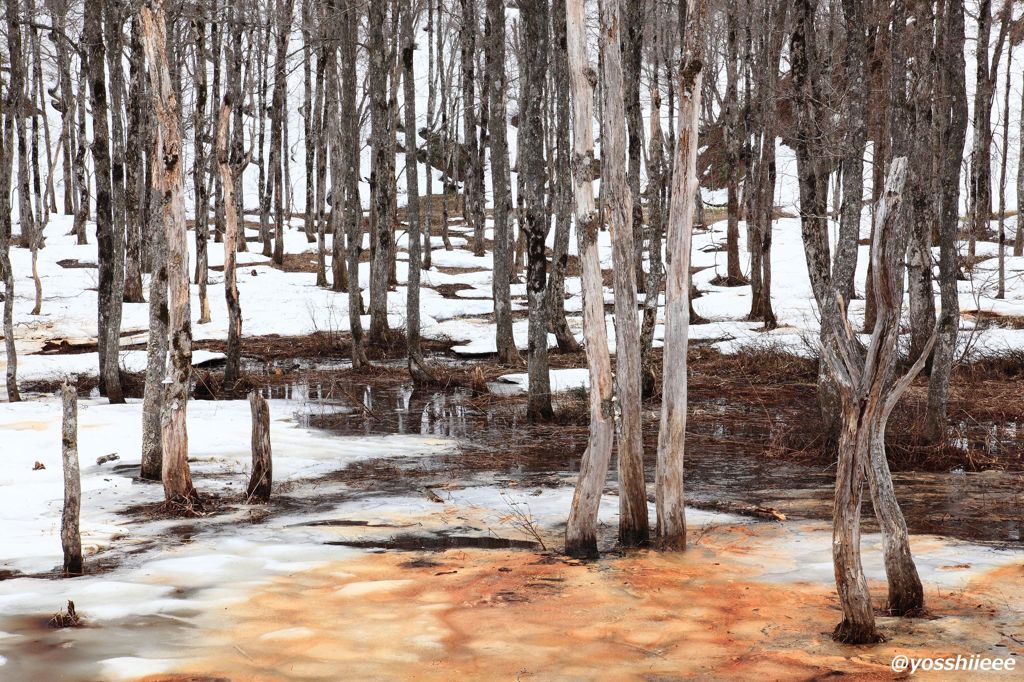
(417, 369)
(176, 477)
(109, 313)
(534, 15)
(202, 225)
(81, 176)
(656, 189)
(1001, 285)
(855, 143)
(498, 122)
(581, 529)
(669, 489)
(6, 271)
(70, 538)
(350, 154)
(380, 182)
(952, 133)
(734, 145)
(561, 183)
(229, 172)
(135, 175)
(157, 345)
(114, 16)
(632, 40)
(633, 524)
(278, 123)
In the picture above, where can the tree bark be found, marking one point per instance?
(581, 529)
(498, 122)
(561, 183)
(381, 174)
(70, 538)
(229, 172)
(135, 173)
(951, 116)
(534, 15)
(417, 367)
(202, 225)
(278, 122)
(175, 473)
(669, 489)
(109, 296)
(350, 158)
(261, 479)
(633, 523)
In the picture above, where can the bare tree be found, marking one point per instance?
(534, 15)
(870, 389)
(951, 132)
(581, 529)
(381, 173)
(498, 129)
(633, 523)
(170, 181)
(669, 495)
(349, 153)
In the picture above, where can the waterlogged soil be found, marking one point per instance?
(715, 612)
(494, 437)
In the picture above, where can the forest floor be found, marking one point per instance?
(414, 530)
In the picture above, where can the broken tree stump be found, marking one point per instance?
(261, 478)
(70, 536)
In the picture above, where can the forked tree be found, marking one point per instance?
(869, 388)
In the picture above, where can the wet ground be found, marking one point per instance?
(983, 506)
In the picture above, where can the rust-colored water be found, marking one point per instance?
(709, 613)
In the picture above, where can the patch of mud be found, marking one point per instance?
(436, 543)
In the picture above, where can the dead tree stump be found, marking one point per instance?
(261, 479)
(70, 537)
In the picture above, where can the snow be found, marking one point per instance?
(219, 435)
(562, 380)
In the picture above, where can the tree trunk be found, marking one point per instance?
(109, 295)
(135, 173)
(380, 174)
(156, 347)
(350, 154)
(855, 144)
(202, 228)
(417, 368)
(229, 172)
(669, 489)
(561, 184)
(498, 122)
(279, 123)
(472, 192)
(633, 524)
(581, 529)
(734, 136)
(177, 479)
(261, 478)
(534, 14)
(70, 538)
(951, 132)
(632, 17)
